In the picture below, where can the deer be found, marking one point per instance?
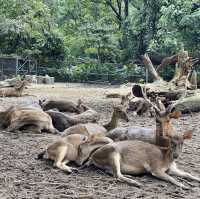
(138, 105)
(63, 121)
(163, 124)
(13, 91)
(134, 157)
(89, 129)
(62, 105)
(63, 151)
(26, 118)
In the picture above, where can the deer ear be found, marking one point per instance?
(175, 114)
(187, 134)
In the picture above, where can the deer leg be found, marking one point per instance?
(59, 163)
(117, 172)
(164, 176)
(177, 172)
(67, 167)
(52, 130)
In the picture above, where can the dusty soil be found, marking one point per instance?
(22, 176)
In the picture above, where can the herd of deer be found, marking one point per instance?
(120, 151)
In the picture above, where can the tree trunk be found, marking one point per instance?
(148, 64)
(193, 80)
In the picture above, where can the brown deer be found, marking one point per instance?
(13, 91)
(63, 105)
(94, 128)
(64, 151)
(163, 125)
(119, 112)
(26, 118)
(62, 121)
(135, 157)
(138, 105)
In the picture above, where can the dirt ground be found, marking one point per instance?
(22, 176)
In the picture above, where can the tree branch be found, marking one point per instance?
(109, 2)
(148, 64)
(126, 6)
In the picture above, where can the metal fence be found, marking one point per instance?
(63, 71)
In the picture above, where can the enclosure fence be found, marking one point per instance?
(66, 71)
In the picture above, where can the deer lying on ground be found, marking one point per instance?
(63, 121)
(62, 105)
(64, 151)
(163, 124)
(60, 120)
(97, 129)
(138, 105)
(13, 91)
(136, 157)
(26, 118)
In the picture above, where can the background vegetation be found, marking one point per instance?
(78, 37)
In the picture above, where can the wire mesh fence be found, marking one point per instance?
(90, 71)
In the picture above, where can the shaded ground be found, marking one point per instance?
(22, 176)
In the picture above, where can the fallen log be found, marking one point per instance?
(189, 104)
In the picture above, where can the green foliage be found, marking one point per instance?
(26, 28)
(97, 36)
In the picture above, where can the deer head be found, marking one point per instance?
(125, 99)
(119, 111)
(21, 85)
(87, 148)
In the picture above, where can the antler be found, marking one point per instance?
(159, 108)
(147, 100)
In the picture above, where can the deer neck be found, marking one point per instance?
(21, 87)
(166, 150)
(159, 132)
(163, 130)
(113, 121)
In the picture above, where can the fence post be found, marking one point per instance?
(147, 75)
(17, 65)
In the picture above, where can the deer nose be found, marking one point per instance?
(127, 119)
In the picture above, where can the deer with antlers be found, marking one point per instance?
(135, 157)
(138, 157)
(163, 124)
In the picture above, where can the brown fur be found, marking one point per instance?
(96, 129)
(13, 91)
(119, 112)
(163, 127)
(137, 157)
(63, 106)
(17, 118)
(87, 129)
(65, 150)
